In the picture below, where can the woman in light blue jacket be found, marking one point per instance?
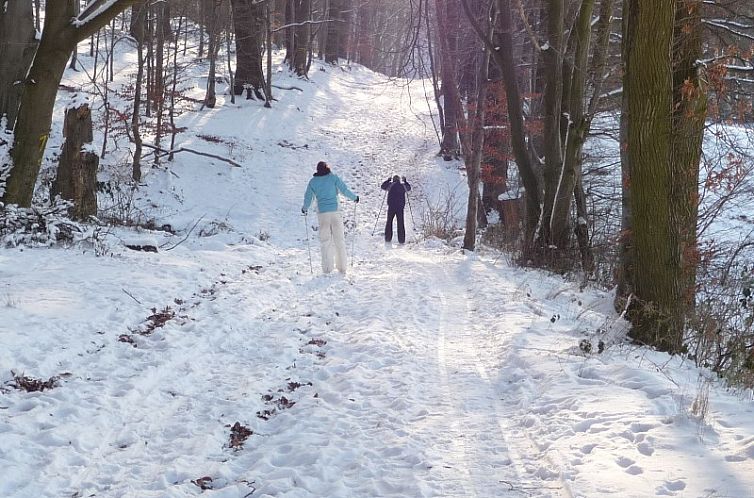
(326, 186)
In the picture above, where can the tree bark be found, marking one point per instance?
(301, 37)
(249, 25)
(553, 64)
(447, 21)
(210, 98)
(17, 47)
(473, 152)
(139, 11)
(336, 30)
(560, 223)
(663, 155)
(76, 178)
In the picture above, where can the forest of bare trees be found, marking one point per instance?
(520, 94)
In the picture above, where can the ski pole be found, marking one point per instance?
(308, 244)
(411, 212)
(353, 239)
(379, 213)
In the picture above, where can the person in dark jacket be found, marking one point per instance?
(396, 202)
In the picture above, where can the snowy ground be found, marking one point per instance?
(423, 372)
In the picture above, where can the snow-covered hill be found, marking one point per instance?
(423, 372)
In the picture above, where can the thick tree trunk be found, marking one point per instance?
(17, 48)
(657, 315)
(76, 178)
(301, 37)
(336, 30)
(447, 21)
(689, 114)
(249, 25)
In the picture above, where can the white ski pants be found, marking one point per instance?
(333, 240)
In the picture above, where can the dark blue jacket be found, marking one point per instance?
(396, 193)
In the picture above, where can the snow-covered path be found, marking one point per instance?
(425, 372)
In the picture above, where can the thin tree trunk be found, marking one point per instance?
(140, 12)
(560, 223)
(173, 129)
(553, 64)
(159, 74)
(474, 152)
(210, 99)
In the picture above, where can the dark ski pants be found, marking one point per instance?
(393, 213)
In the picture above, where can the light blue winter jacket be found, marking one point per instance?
(326, 188)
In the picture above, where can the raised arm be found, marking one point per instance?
(344, 189)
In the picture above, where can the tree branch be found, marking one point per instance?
(96, 15)
(164, 152)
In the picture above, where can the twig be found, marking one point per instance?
(131, 296)
(187, 235)
(164, 153)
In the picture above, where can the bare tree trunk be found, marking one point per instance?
(473, 153)
(139, 11)
(210, 99)
(76, 178)
(666, 106)
(75, 54)
(173, 129)
(301, 36)
(229, 60)
(249, 22)
(560, 223)
(447, 21)
(553, 63)
(17, 47)
(268, 43)
(159, 73)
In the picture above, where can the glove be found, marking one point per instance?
(404, 179)
(390, 179)
(357, 199)
(303, 211)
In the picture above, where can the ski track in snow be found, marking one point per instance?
(424, 372)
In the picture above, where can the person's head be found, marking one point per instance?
(322, 168)
(396, 178)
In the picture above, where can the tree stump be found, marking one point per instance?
(76, 178)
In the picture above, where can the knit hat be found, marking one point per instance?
(322, 168)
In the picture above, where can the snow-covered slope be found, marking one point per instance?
(423, 372)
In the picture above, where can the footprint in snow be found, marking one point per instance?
(669, 488)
